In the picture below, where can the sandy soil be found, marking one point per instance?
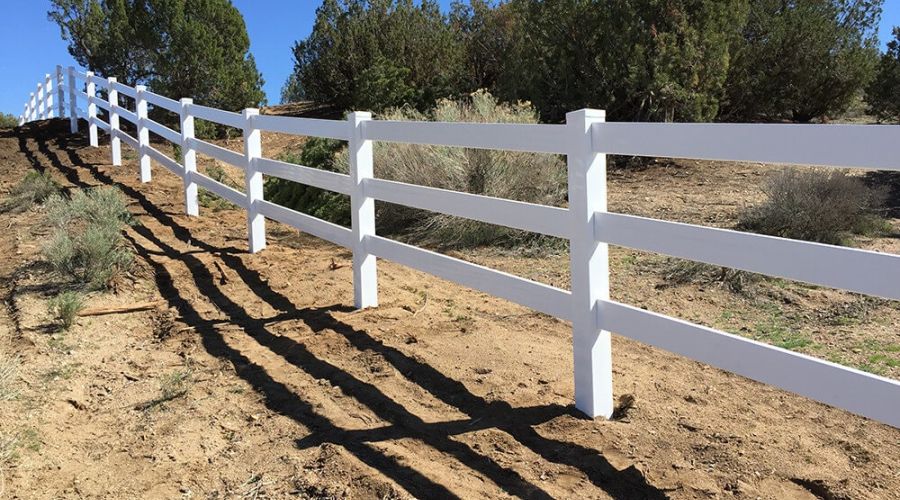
(276, 388)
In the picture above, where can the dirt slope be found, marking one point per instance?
(440, 392)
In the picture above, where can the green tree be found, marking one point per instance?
(640, 60)
(181, 48)
(883, 93)
(801, 60)
(376, 54)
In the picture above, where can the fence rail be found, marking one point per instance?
(585, 139)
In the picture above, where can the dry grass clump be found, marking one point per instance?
(33, 189)
(65, 308)
(9, 369)
(680, 272)
(87, 244)
(816, 205)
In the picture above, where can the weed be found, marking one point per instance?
(65, 308)
(171, 386)
(679, 271)
(88, 245)
(775, 333)
(34, 188)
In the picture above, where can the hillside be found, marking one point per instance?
(281, 390)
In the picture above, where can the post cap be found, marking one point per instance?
(186, 101)
(112, 79)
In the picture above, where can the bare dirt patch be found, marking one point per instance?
(258, 379)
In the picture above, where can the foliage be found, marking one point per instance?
(813, 205)
(195, 48)
(679, 271)
(502, 174)
(883, 93)
(209, 199)
(35, 188)
(801, 60)
(642, 60)
(376, 54)
(317, 153)
(9, 369)
(87, 244)
(8, 121)
(65, 308)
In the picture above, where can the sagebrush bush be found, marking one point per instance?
(34, 188)
(65, 308)
(528, 177)
(816, 205)
(87, 244)
(208, 199)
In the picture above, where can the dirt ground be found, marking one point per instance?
(259, 379)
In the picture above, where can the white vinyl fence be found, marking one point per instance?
(585, 139)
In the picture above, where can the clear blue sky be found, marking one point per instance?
(32, 47)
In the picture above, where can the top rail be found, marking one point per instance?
(507, 136)
(100, 82)
(163, 102)
(331, 129)
(862, 146)
(217, 115)
(124, 89)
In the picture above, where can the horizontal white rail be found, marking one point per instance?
(124, 89)
(863, 146)
(219, 153)
(162, 131)
(227, 192)
(103, 104)
(542, 219)
(79, 75)
(101, 124)
(332, 129)
(334, 233)
(862, 393)
(163, 102)
(82, 95)
(102, 83)
(545, 298)
(126, 114)
(850, 269)
(507, 136)
(217, 115)
(332, 181)
(170, 164)
(127, 139)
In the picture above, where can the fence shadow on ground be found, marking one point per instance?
(516, 422)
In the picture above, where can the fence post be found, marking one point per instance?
(112, 96)
(143, 135)
(256, 223)
(589, 262)
(60, 93)
(32, 108)
(26, 116)
(189, 158)
(91, 90)
(41, 104)
(73, 105)
(362, 214)
(48, 96)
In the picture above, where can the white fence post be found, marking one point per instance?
(48, 96)
(189, 155)
(256, 222)
(41, 104)
(589, 262)
(91, 90)
(60, 93)
(115, 143)
(26, 116)
(73, 105)
(365, 273)
(143, 135)
(32, 108)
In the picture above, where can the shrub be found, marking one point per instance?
(679, 271)
(210, 200)
(88, 245)
(65, 308)
(34, 188)
(8, 121)
(518, 176)
(814, 205)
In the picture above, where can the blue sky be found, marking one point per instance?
(32, 46)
